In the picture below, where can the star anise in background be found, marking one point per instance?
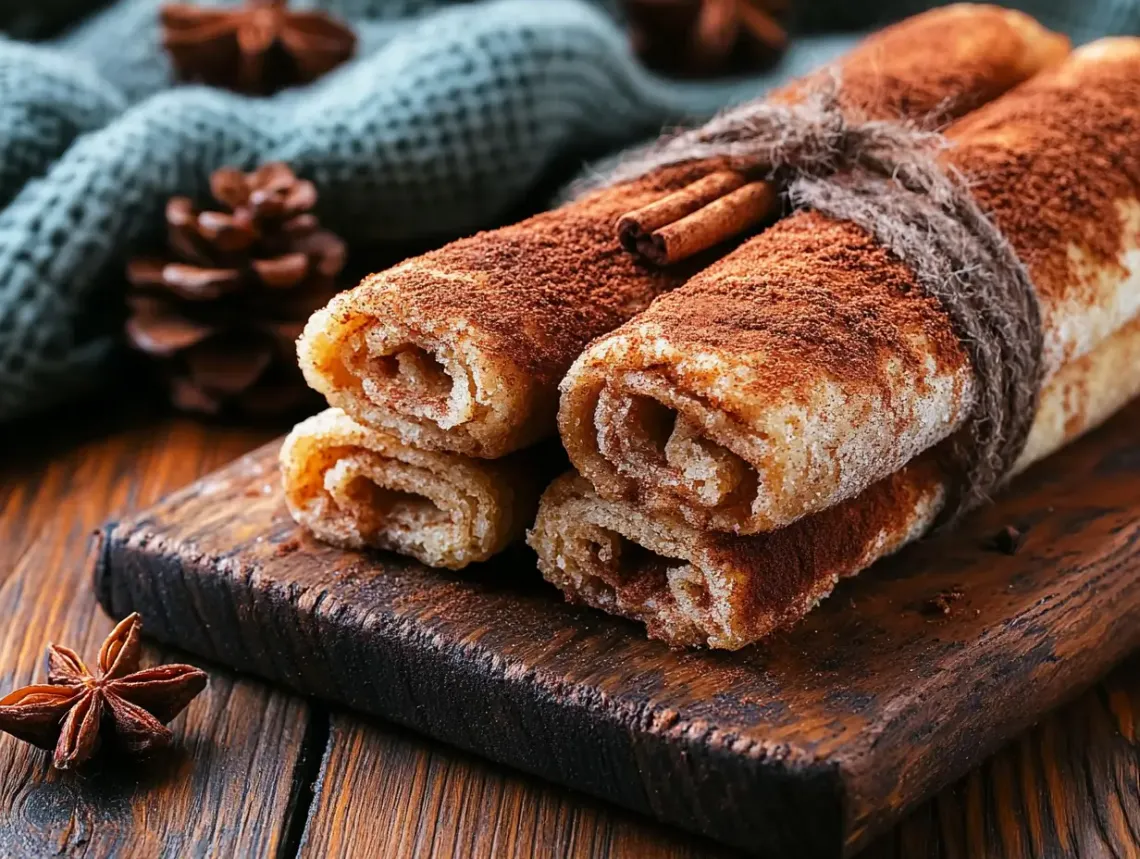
(257, 49)
(705, 38)
(220, 311)
(69, 712)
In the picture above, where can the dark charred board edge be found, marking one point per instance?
(766, 801)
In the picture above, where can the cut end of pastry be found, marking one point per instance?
(658, 433)
(611, 558)
(701, 588)
(742, 401)
(640, 436)
(422, 377)
(690, 588)
(357, 488)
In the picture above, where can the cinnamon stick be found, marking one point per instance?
(680, 203)
(722, 219)
(695, 218)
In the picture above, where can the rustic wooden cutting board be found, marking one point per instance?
(804, 746)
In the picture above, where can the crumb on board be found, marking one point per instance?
(288, 547)
(942, 603)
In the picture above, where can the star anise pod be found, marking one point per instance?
(69, 711)
(702, 38)
(257, 49)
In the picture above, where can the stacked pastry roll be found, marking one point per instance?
(443, 372)
(781, 420)
(360, 487)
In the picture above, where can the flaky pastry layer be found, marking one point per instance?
(356, 487)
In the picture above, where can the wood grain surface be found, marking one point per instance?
(382, 787)
(358, 788)
(848, 720)
(236, 739)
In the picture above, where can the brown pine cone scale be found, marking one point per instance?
(220, 312)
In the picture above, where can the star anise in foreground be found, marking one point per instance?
(257, 49)
(704, 38)
(67, 713)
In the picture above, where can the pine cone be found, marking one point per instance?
(221, 312)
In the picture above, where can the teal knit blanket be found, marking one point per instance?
(448, 117)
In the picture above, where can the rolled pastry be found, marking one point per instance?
(807, 364)
(462, 349)
(694, 587)
(356, 487)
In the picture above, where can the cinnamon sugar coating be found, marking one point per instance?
(982, 51)
(807, 364)
(462, 349)
(1057, 167)
(499, 316)
(694, 587)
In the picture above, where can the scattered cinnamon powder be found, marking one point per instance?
(982, 52)
(813, 297)
(1052, 163)
(288, 547)
(542, 289)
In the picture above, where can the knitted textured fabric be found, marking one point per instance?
(449, 116)
(46, 101)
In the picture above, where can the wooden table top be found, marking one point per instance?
(259, 772)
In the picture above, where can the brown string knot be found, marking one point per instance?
(885, 177)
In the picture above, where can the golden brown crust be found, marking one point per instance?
(983, 51)
(703, 588)
(509, 309)
(1056, 166)
(757, 371)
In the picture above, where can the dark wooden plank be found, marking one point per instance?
(1070, 786)
(384, 792)
(1069, 793)
(847, 721)
(227, 786)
